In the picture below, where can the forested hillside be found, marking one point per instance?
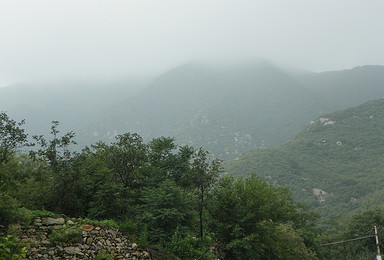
(191, 130)
(335, 164)
(168, 198)
(172, 202)
(346, 88)
(228, 110)
(233, 110)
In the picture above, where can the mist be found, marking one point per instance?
(114, 39)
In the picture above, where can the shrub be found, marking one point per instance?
(189, 247)
(108, 223)
(104, 256)
(128, 226)
(11, 212)
(101, 223)
(11, 249)
(66, 234)
(142, 240)
(43, 213)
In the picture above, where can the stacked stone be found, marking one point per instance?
(97, 239)
(94, 240)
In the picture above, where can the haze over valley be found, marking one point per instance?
(170, 129)
(228, 111)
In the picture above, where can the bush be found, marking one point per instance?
(42, 213)
(108, 223)
(103, 256)
(142, 240)
(11, 212)
(101, 223)
(66, 234)
(11, 249)
(248, 219)
(129, 226)
(167, 209)
(189, 247)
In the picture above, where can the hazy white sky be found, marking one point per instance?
(114, 38)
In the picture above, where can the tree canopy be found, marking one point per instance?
(174, 199)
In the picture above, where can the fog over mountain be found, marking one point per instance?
(228, 110)
(50, 39)
(140, 115)
(83, 63)
(231, 111)
(108, 67)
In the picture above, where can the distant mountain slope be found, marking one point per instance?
(228, 111)
(234, 110)
(347, 88)
(336, 163)
(72, 102)
(225, 111)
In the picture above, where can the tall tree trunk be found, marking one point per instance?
(201, 208)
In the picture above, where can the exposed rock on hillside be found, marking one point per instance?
(56, 238)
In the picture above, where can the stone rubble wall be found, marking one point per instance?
(94, 240)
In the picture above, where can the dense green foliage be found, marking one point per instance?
(70, 234)
(358, 234)
(339, 153)
(11, 136)
(254, 220)
(101, 256)
(166, 197)
(11, 248)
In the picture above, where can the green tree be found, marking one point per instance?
(99, 191)
(362, 225)
(182, 171)
(165, 210)
(203, 175)
(30, 181)
(167, 161)
(288, 244)
(126, 158)
(12, 136)
(11, 209)
(251, 219)
(161, 161)
(56, 152)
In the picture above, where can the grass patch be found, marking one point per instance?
(70, 234)
(100, 223)
(43, 213)
(104, 256)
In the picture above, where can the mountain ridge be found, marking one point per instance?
(228, 110)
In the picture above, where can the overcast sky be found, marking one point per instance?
(117, 38)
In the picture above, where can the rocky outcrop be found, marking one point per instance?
(320, 194)
(86, 241)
